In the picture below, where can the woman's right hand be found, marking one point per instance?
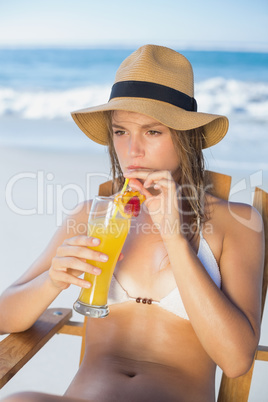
(71, 261)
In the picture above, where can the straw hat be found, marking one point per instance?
(158, 82)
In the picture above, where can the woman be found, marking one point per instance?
(187, 251)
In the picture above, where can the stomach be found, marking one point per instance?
(143, 353)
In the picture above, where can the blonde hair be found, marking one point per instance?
(188, 145)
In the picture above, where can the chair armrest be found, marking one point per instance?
(18, 348)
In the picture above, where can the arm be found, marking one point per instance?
(60, 265)
(226, 320)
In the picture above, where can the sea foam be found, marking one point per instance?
(216, 95)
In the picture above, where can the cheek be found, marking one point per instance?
(168, 155)
(175, 157)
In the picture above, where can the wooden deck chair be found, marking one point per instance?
(17, 349)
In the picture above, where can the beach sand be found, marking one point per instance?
(28, 177)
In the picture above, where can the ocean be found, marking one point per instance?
(47, 84)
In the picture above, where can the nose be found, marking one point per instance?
(135, 147)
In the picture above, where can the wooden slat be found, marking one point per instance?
(260, 202)
(105, 189)
(83, 345)
(218, 184)
(235, 389)
(72, 328)
(262, 353)
(18, 348)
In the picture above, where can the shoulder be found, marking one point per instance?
(238, 227)
(232, 215)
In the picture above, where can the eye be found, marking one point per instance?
(153, 132)
(119, 132)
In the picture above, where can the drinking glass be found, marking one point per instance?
(108, 223)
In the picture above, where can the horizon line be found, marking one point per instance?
(132, 48)
(256, 47)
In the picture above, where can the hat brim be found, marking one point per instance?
(93, 123)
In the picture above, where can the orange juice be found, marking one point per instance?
(109, 221)
(112, 237)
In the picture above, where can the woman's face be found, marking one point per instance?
(142, 142)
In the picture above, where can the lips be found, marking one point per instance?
(134, 167)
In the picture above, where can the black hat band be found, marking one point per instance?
(151, 90)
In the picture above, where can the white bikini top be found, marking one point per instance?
(172, 302)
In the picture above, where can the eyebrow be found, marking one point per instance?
(145, 126)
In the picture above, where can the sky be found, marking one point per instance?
(238, 24)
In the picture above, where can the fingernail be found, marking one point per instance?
(96, 241)
(96, 270)
(103, 257)
(87, 284)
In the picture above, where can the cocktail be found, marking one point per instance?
(109, 220)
